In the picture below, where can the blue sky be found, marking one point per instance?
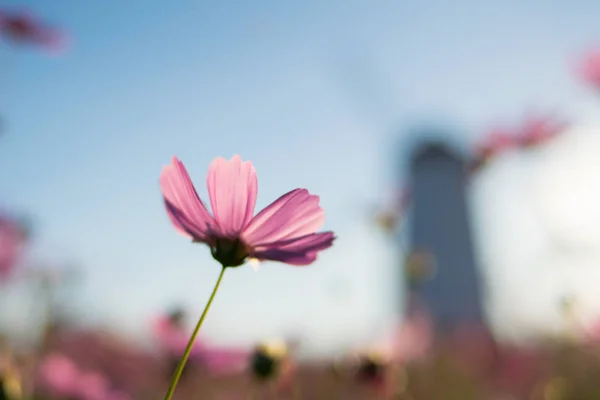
(315, 93)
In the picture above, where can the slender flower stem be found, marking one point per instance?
(190, 344)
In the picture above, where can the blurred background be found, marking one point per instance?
(455, 147)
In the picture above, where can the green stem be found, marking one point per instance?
(190, 344)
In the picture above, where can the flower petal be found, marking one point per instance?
(232, 187)
(184, 207)
(223, 360)
(296, 213)
(298, 251)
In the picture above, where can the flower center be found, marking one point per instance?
(230, 252)
(370, 369)
(263, 365)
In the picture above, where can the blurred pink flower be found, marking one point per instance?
(124, 364)
(534, 131)
(116, 395)
(12, 241)
(21, 27)
(409, 339)
(473, 347)
(496, 142)
(171, 337)
(284, 231)
(220, 361)
(59, 375)
(414, 338)
(518, 368)
(589, 69)
(92, 386)
(537, 130)
(375, 368)
(287, 376)
(492, 145)
(590, 332)
(379, 365)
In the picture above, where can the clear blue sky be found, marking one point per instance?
(315, 93)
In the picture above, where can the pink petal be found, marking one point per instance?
(171, 338)
(59, 374)
(55, 42)
(298, 251)
(92, 386)
(295, 214)
(223, 361)
(184, 207)
(414, 338)
(589, 70)
(117, 395)
(539, 129)
(496, 142)
(232, 187)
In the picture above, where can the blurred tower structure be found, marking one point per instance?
(441, 230)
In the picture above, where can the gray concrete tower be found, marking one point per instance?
(440, 225)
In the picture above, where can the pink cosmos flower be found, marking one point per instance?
(12, 240)
(538, 130)
(495, 142)
(116, 395)
(171, 337)
(410, 341)
(22, 27)
(59, 375)
(589, 69)
(121, 362)
(380, 364)
(92, 386)
(287, 376)
(590, 331)
(535, 131)
(474, 346)
(377, 368)
(221, 360)
(413, 338)
(284, 231)
(518, 369)
(492, 145)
